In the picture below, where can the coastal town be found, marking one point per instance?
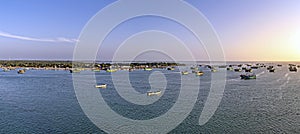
(246, 69)
(81, 66)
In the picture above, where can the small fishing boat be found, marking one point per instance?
(208, 66)
(171, 68)
(254, 67)
(248, 70)
(229, 68)
(238, 70)
(22, 71)
(152, 93)
(184, 72)
(222, 66)
(270, 67)
(148, 69)
(101, 86)
(74, 71)
(214, 70)
(248, 76)
(293, 69)
(272, 70)
(193, 68)
(111, 70)
(199, 73)
(96, 70)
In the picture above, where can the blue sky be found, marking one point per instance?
(248, 29)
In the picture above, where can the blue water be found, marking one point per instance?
(44, 101)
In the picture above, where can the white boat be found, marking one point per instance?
(151, 93)
(101, 86)
(184, 72)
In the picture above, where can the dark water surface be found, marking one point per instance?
(44, 101)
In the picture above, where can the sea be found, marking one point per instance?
(45, 101)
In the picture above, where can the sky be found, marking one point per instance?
(249, 30)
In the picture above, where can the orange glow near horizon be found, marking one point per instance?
(282, 45)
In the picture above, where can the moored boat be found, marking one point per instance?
(74, 70)
(22, 71)
(254, 67)
(222, 66)
(230, 68)
(101, 86)
(238, 70)
(96, 70)
(272, 70)
(270, 67)
(248, 76)
(148, 69)
(171, 68)
(248, 70)
(293, 69)
(111, 70)
(214, 70)
(199, 73)
(184, 72)
(152, 93)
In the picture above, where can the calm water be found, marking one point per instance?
(45, 102)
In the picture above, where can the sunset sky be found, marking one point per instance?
(256, 30)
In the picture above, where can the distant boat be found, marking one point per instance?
(214, 70)
(199, 73)
(272, 70)
(101, 86)
(151, 93)
(254, 67)
(21, 71)
(222, 66)
(229, 68)
(193, 68)
(148, 69)
(238, 70)
(248, 70)
(270, 67)
(184, 72)
(74, 71)
(111, 70)
(293, 69)
(194, 71)
(248, 76)
(96, 70)
(171, 68)
(208, 66)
